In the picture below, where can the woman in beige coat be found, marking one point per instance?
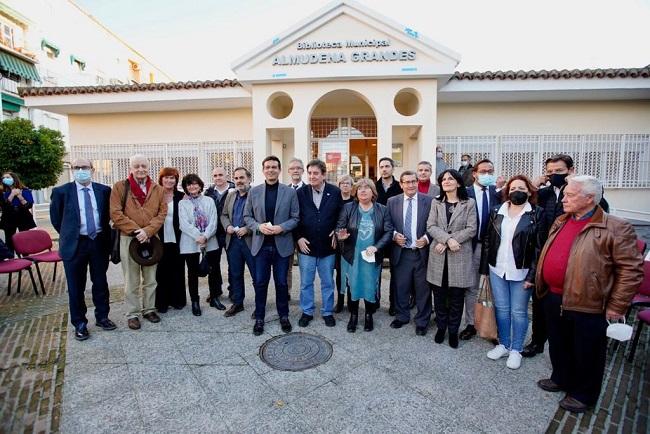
(451, 225)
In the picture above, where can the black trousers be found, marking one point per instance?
(448, 302)
(411, 276)
(192, 260)
(215, 281)
(540, 334)
(90, 255)
(353, 306)
(577, 344)
(170, 276)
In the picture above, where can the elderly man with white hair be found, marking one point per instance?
(588, 272)
(141, 217)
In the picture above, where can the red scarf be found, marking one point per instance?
(137, 191)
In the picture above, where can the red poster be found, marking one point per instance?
(333, 157)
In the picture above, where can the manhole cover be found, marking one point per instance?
(295, 351)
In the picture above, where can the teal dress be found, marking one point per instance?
(362, 277)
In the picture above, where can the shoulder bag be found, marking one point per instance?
(115, 233)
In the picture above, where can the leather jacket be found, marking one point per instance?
(526, 241)
(349, 219)
(605, 267)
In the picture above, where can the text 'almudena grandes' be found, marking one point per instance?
(360, 56)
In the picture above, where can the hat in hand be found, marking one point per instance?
(148, 253)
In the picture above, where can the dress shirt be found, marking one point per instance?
(505, 265)
(83, 228)
(238, 210)
(170, 235)
(296, 186)
(317, 195)
(478, 196)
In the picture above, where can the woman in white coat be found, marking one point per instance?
(198, 218)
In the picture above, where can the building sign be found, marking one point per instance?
(363, 50)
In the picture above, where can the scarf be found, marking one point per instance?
(200, 217)
(137, 191)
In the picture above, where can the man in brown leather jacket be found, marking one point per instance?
(588, 272)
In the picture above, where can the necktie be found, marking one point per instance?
(90, 216)
(485, 214)
(295, 187)
(407, 222)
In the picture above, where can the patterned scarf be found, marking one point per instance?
(200, 217)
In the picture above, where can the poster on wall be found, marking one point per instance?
(334, 152)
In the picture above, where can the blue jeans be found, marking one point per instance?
(239, 255)
(511, 309)
(266, 258)
(308, 266)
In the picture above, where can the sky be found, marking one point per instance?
(199, 39)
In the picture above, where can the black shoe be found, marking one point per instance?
(397, 323)
(411, 302)
(196, 309)
(329, 321)
(178, 306)
(549, 385)
(368, 324)
(392, 311)
(573, 405)
(151, 317)
(162, 309)
(453, 340)
(217, 304)
(352, 324)
(106, 324)
(468, 333)
(81, 332)
(531, 350)
(234, 310)
(258, 328)
(285, 325)
(440, 336)
(421, 331)
(340, 302)
(305, 320)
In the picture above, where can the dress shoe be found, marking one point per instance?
(368, 323)
(151, 317)
(134, 323)
(573, 405)
(106, 324)
(468, 333)
(392, 311)
(305, 320)
(285, 324)
(162, 309)
(196, 308)
(81, 332)
(352, 324)
(549, 385)
(234, 310)
(421, 331)
(329, 320)
(397, 323)
(453, 340)
(531, 350)
(440, 336)
(217, 304)
(258, 328)
(411, 302)
(178, 306)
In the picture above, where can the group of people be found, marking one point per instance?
(549, 238)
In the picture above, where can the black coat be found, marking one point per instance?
(178, 196)
(349, 219)
(211, 192)
(384, 195)
(526, 241)
(316, 224)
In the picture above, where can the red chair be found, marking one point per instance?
(643, 317)
(642, 297)
(36, 245)
(17, 265)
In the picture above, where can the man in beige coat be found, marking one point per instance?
(143, 214)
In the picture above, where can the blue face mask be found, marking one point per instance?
(487, 180)
(8, 181)
(82, 176)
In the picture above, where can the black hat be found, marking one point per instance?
(148, 253)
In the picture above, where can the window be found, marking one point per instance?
(7, 36)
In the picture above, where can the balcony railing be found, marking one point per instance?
(9, 85)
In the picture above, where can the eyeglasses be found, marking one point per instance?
(81, 167)
(486, 172)
(410, 182)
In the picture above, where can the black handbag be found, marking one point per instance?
(115, 233)
(204, 265)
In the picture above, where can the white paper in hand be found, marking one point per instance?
(368, 257)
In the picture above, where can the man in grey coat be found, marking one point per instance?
(271, 214)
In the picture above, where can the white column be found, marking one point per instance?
(384, 138)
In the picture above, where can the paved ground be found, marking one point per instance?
(191, 374)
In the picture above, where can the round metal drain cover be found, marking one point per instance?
(295, 351)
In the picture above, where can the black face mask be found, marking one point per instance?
(558, 180)
(518, 197)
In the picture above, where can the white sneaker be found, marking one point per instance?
(514, 360)
(497, 352)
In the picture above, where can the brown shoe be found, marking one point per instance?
(234, 310)
(134, 323)
(573, 405)
(548, 385)
(152, 317)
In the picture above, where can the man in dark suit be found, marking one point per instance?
(79, 211)
(410, 254)
(271, 213)
(485, 195)
(320, 204)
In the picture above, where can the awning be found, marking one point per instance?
(12, 103)
(51, 46)
(18, 66)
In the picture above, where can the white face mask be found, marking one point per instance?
(439, 154)
(464, 163)
(619, 331)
